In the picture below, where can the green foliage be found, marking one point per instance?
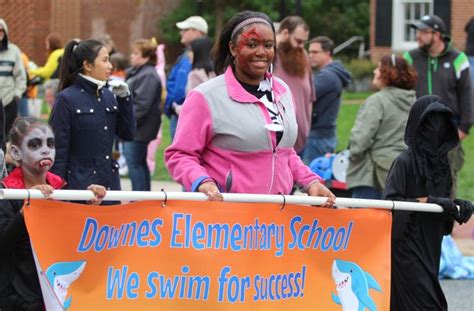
(338, 19)
(345, 121)
(465, 180)
(360, 68)
(161, 172)
(355, 97)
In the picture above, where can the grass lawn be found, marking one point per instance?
(345, 122)
(161, 172)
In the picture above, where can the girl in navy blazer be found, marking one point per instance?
(87, 117)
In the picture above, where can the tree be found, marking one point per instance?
(337, 19)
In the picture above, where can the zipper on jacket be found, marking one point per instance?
(228, 180)
(430, 86)
(273, 170)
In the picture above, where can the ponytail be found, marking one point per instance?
(75, 53)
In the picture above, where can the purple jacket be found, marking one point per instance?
(221, 135)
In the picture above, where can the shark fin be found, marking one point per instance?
(67, 303)
(372, 282)
(335, 298)
(367, 301)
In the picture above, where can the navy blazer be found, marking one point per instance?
(86, 122)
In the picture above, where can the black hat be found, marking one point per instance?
(430, 22)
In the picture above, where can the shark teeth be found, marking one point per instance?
(62, 288)
(343, 283)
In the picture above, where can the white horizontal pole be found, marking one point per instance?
(85, 195)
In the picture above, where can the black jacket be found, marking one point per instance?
(417, 236)
(19, 285)
(86, 122)
(448, 77)
(145, 86)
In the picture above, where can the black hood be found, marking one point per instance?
(422, 112)
(430, 134)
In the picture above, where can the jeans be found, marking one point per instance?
(23, 107)
(135, 153)
(318, 146)
(173, 124)
(366, 192)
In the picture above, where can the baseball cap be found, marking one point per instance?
(195, 22)
(430, 22)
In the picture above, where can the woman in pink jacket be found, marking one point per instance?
(236, 132)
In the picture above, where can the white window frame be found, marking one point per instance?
(399, 42)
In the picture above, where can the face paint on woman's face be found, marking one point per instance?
(254, 52)
(38, 150)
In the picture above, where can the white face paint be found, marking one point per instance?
(37, 150)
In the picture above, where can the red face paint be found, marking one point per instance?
(254, 53)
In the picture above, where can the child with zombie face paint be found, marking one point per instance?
(243, 142)
(33, 147)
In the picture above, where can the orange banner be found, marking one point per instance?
(209, 255)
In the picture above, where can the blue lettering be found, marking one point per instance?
(256, 281)
(269, 288)
(294, 233)
(198, 235)
(151, 293)
(118, 282)
(349, 230)
(129, 228)
(175, 231)
(168, 287)
(187, 232)
(114, 237)
(222, 281)
(184, 270)
(300, 236)
(143, 233)
(155, 232)
(132, 286)
(236, 237)
(91, 224)
(101, 238)
(339, 239)
(327, 239)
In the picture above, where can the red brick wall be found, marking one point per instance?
(461, 13)
(372, 28)
(27, 21)
(30, 21)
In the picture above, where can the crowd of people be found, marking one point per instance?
(247, 115)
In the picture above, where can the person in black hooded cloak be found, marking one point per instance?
(422, 174)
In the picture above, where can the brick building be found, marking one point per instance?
(389, 22)
(29, 21)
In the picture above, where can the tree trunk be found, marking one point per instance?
(220, 6)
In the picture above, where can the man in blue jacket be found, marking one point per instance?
(190, 29)
(329, 82)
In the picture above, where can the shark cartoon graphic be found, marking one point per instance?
(352, 284)
(60, 276)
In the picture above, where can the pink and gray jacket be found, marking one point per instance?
(221, 135)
